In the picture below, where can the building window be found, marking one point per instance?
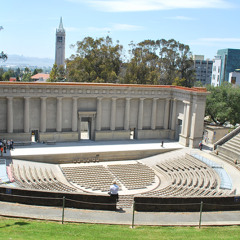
(233, 80)
(59, 39)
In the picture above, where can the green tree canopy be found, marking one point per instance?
(96, 60)
(222, 104)
(57, 74)
(160, 62)
(3, 56)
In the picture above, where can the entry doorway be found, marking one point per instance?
(132, 133)
(34, 136)
(86, 125)
(85, 129)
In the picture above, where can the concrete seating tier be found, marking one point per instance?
(38, 178)
(99, 177)
(188, 176)
(133, 176)
(89, 177)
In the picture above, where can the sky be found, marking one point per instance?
(29, 26)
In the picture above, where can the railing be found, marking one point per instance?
(226, 182)
(226, 138)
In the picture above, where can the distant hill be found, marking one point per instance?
(22, 61)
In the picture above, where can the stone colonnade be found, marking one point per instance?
(112, 111)
(43, 114)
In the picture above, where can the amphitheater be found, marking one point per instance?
(177, 172)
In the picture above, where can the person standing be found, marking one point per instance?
(8, 144)
(1, 148)
(11, 144)
(114, 190)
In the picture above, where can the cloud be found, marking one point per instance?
(184, 18)
(151, 5)
(117, 27)
(220, 40)
(73, 29)
(126, 27)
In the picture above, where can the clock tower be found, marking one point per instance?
(60, 45)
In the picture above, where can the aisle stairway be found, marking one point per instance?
(229, 151)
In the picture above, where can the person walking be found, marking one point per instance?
(114, 190)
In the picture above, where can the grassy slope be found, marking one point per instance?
(27, 229)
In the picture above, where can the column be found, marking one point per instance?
(9, 114)
(140, 114)
(154, 114)
(59, 114)
(174, 114)
(166, 114)
(43, 114)
(74, 114)
(26, 114)
(113, 114)
(99, 114)
(127, 114)
(186, 120)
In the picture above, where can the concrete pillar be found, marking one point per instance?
(113, 114)
(174, 114)
(74, 114)
(127, 114)
(26, 114)
(59, 114)
(166, 114)
(186, 120)
(9, 114)
(140, 114)
(43, 124)
(99, 114)
(154, 114)
(197, 121)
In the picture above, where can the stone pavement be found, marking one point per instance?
(119, 216)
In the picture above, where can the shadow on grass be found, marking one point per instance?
(16, 223)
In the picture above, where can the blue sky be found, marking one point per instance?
(205, 25)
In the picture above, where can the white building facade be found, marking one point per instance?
(56, 111)
(216, 71)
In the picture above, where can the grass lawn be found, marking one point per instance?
(30, 229)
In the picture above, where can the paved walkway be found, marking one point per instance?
(119, 217)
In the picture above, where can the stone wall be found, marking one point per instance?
(186, 204)
(34, 197)
(58, 110)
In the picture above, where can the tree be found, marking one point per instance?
(3, 56)
(27, 75)
(222, 104)
(160, 62)
(143, 67)
(37, 70)
(96, 60)
(57, 73)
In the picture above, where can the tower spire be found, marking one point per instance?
(60, 28)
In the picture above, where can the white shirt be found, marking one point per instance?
(114, 189)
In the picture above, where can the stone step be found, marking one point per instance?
(225, 157)
(234, 141)
(229, 152)
(232, 146)
(125, 201)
